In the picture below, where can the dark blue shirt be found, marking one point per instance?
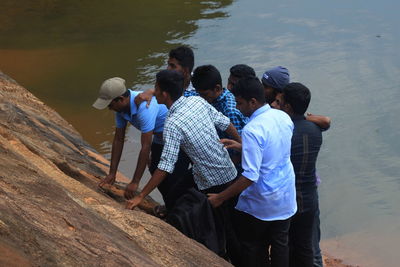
(306, 143)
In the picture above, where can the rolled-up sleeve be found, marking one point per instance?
(172, 140)
(252, 154)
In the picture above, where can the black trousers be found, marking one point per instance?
(256, 236)
(169, 187)
(301, 239)
(223, 219)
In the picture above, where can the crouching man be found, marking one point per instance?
(191, 125)
(267, 186)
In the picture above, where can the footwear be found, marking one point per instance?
(160, 211)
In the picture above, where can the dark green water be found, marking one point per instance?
(346, 52)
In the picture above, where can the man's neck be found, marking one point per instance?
(186, 82)
(169, 102)
(257, 106)
(127, 108)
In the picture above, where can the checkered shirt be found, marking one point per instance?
(191, 125)
(226, 104)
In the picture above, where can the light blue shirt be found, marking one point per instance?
(266, 141)
(143, 118)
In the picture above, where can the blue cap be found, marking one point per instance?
(276, 78)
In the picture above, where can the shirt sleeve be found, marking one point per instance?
(147, 116)
(237, 119)
(221, 122)
(172, 141)
(252, 154)
(120, 122)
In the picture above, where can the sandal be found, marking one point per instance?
(160, 211)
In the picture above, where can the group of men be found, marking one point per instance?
(243, 157)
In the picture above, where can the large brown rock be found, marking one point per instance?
(51, 211)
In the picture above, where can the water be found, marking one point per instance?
(344, 51)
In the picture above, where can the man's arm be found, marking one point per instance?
(223, 123)
(232, 132)
(236, 188)
(144, 96)
(144, 154)
(323, 122)
(116, 151)
(231, 144)
(157, 177)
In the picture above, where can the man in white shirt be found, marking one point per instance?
(267, 186)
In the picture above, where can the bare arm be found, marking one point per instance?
(155, 180)
(236, 188)
(144, 154)
(231, 131)
(323, 122)
(144, 96)
(116, 152)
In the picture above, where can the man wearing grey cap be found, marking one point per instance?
(150, 121)
(274, 80)
(277, 78)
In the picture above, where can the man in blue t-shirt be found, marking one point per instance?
(149, 120)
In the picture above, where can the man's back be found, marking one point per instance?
(191, 123)
(306, 143)
(266, 161)
(143, 118)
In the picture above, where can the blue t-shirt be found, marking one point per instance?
(145, 119)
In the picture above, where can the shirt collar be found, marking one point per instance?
(259, 111)
(132, 104)
(134, 108)
(176, 104)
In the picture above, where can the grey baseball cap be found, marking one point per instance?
(277, 78)
(110, 89)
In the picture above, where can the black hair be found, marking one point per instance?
(242, 70)
(184, 55)
(206, 77)
(119, 98)
(126, 94)
(298, 96)
(170, 81)
(248, 88)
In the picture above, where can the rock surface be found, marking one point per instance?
(51, 211)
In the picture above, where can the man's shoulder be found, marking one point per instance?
(308, 128)
(306, 125)
(194, 100)
(274, 115)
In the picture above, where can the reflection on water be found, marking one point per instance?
(63, 51)
(344, 51)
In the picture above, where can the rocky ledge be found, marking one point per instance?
(53, 214)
